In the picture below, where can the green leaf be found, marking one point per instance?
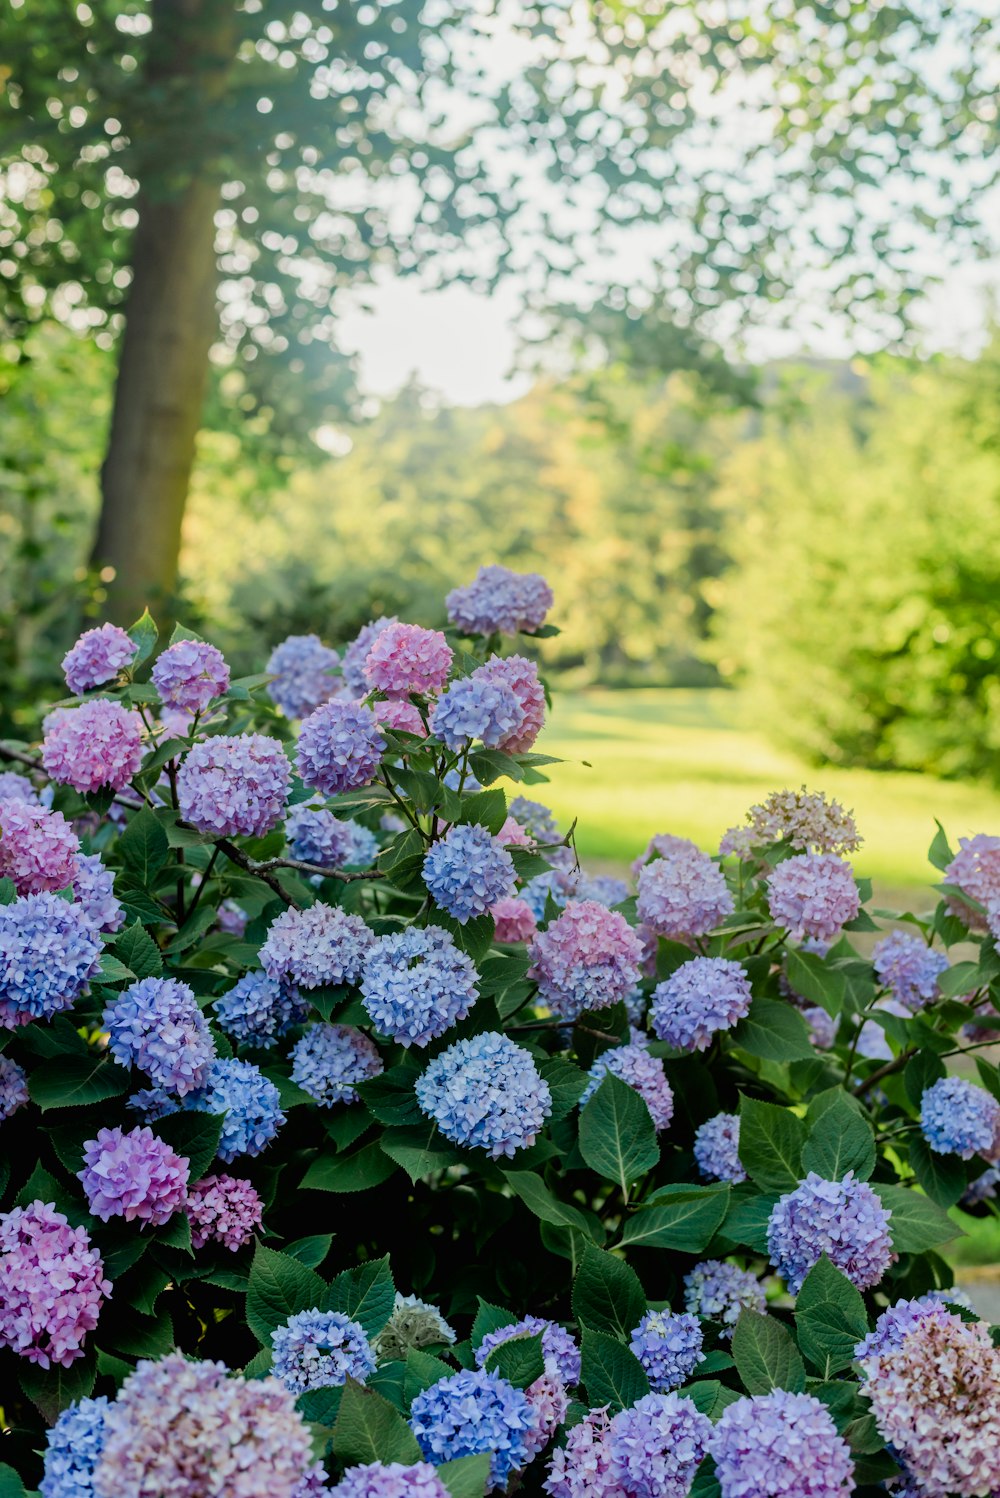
(279, 1287)
(465, 1477)
(766, 1356)
(143, 846)
(607, 1294)
(943, 1177)
(747, 1221)
(815, 980)
(773, 1031)
(489, 1319)
(52, 1390)
(194, 1135)
(310, 1251)
(955, 982)
(8, 891)
(617, 1136)
(916, 1223)
(138, 951)
(489, 765)
(365, 1294)
(712, 1399)
(539, 1199)
(360, 1171)
(486, 809)
(565, 1082)
(611, 1374)
(771, 1141)
(841, 1140)
(368, 1429)
(939, 853)
(143, 634)
(111, 970)
(420, 1151)
(74, 1081)
(519, 1360)
(830, 1318)
(421, 1369)
(921, 1072)
(680, 1217)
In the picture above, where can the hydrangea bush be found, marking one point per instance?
(356, 1140)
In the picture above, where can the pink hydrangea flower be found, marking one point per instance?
(189, 675)
(134, 1175)
(587, 958)
(514, 920)
(521, 675)
(235, 785)
(92, 746)
(683, 893)
(52, 1285)
(813, 894)
(97, 658)
(975, 869)
(405, 658)
(397, 712)
(38, 848)
(224, 1208)
(513, 835)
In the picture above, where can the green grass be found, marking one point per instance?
(684, 762)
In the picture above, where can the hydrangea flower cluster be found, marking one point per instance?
(549, 1403)
(668, 1345)
(657, 1446)
(700, 998)
(521, 675)
(555, 886)
(634, 1065)
(975, 870)
(249, 1102)
(52, 1285)
(356, 653)
(156, 1025)
(559, 1349)
(413, 1323)
(190, 1428)
(314, 947)
(474, 1411)
(135, 1175)
(895, 1324)
(406, 658)
(234, 785)
(535, 818)
(189, 675)
(604, 888)
(782, 1444)
(582, 1469)
(417, 984)
(476, 707)
(94, 890)
(13, 1087)
(48, 952)
(38, 848)
(317, 836)
(223, 1209)
(588, 958)
(15, 787)
(90, 747)
(843, 1219)
(665, 845)
(682, 893)
(909, 967)
(303, 671)
(330, 1060)
(822, 1026)
(340, 747)
(813, 894)
(808, 820)
(717, 1149)
(486, 1093)
(719, 1291)
(378, 1480)
(320, 1350)
(258, 1010)
(499, 601)
(467, 871)
(97, 658)
(73, 1449)
(514, 920)
(959, 1118)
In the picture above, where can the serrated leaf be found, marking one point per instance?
(766, 1356)
(365, 1294)
(617, 1135)
(138, 951)
(916, 1223)
(143, 846)
(466, 1476)
(841, 1140)
(195, 1136)
(940, 854)
(489, 1318)
(611, 1374)
(830, 1318)
(519, 1360)
(770, 1148)
(310, 1251)
(74, 1081)
(144, 635)
(420, 1151)
(943, 1177)
(279, 1287)
(52, 1390)
(420, 1370)
(747, 1220)
(773, 1031)
(360, 1171)
(681, 1217)
(539, 1199)
(369, 1429)
(607, 1294)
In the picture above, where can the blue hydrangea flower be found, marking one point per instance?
(717, 1149)
(73, 1448)
(538, 891)
(559, 1349)
(656, 1446)
(843, 1219)
(534, 818)
(315, 947)
(719, 1291)
(475, 707)
(909, 967)
(485, 1092)
(634, 1065)
(417, 984)
(781, 1444)
(320, 1350)
(152, 1103)
(668, 1345)
(699, 998)
(94, 890)
(249, 1102)
(13, 1087)
(959, 1118)
(474, 1411)
(330, 1060)
(603, 888)
(304, 675)
(48, 952)
(340, 747)
(319, 837)
(467, 871)
(156, 1025)
(356, 653)
(258, 1010)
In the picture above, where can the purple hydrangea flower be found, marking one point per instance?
(959, 1118)
(668, 1345)
(340, 747)
(813, 894)
(485, 1092)
(634, 1065)
(499, 601)
(52, 1285)
(587, 958)
(983, 1188)
(90, 747)
(48, 952)
(781, 1444)
(822, 1026)
(378, 1480)
(682, 893)
(321, 838)
(975, 870)
(467, 871)
(249, 1102)
(258, 1010)
(320, 1350)
(405, 658)
(556, 886)
(843, 1219)
(303, 669)
(15, 787)
(94, 890)
(910, 968)
(13, 1087)
(232, 919)
(559, 1349)
(895, 1324)
(657, 1446)
(700, 998)
(719, 1291)
(73, 1448)
(223, 1209)
(717, 1149)
(330, 1060)
(535, 818)
(38, 848)
(474, 1411)
(97, 658)
(417, 984)
(666, 845)
(476, 707)
(549, 1403)
(234, 785)
(583, 1468)
(603, 888)
(315, 947)
(156, 1025)
(513, 920)
(190, 675)
(133, 1175)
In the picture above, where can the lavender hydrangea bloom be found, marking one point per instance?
(535, 818)
(783, 1445)
(982, 1189)
(668, 1345)
(133, 1175)
(959, 1118)
(48, 953)
(634, 1065)
(467, 871)
(258, 1010)
(353, 664)
(224, 1209)
(417, 984)
(73, 1448)
(822, 1026)
(474, 707)
(474, 1411)
(15, 787)
(975, 870)
(97, 658)
(700, 998)
(395, 1480)
(340, 747)
(152, 1103)
(13, 1087)
(683, 894)
(588, 958)
(320, 1350)
(485, 1092)
(522, 675)
(321, 838)
(249, 1103)
(156, 1025)
(90, 747)
(719, 1291)
(190, 675)
(234, 785)
(94, 890)
(895, 1324)
(813, 894)
(53, 1285)
(406, 658)
(583, 1469)
(315, 947)
(657, 1446)
(499, 601)
(330, 1060)
(603, 888)
(843, 1219)
(303, 670)
(909, 967)
(559, 1349)
(717, 1149)
(38, 848)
